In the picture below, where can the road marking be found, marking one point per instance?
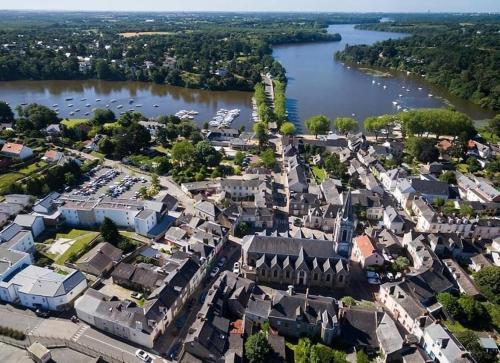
(79, 332)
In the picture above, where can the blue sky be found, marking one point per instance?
(260, 5)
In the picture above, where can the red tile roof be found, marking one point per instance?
(365, 245)
(12, 148)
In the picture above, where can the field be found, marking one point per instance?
(69, 244)
(10, 178)
(319, 173)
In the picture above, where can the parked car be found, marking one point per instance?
(214, 272)
(142, 355)
(236, 268)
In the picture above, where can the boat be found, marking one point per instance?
(54, 105)
(192, 112)
(87, 113)
(70, 105)
(430, 94)
(71, 113)
(77, 110)
(385, 86)
(373, 82)
(83, 99)
(98, 100)
(400, 95)
(395, 103)
(131, 110)
(407, 90)
(24, 104)
(156, 106)
(107, 106)
(398, 107)
(378, 83)
(348, 67)
(131, 101)
(138, 105)
(119, 106)
(113, 101)
(420, 88)
(68, 99)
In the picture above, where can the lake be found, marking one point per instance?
(318, 84)
(169, 99)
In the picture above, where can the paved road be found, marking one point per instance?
(56, 329)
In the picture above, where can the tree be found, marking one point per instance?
(241, 229)
(450, 304)
(466, 210)
(472, 310)
(109, 231)
(102, 116)
(401, 264)
(376, 124)
(155, 180)
(303, 350)
(345, 125)
(471, 342)
(206, 154)
(424, 150)
(287, 128)
(268, 158)
(473, 165)
(6, 114)
(239, 157)
(448, 177)
(106, 146)
(348, 301)
(321, 353)
(488, 281)
(494, 125)
(260, 129)
(333, 165)
(318, 125)
(183, 151)
(35, 117)
(257, 348)
(361, 357)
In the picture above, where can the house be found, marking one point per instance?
(388, 242)
(144, 324)
(207, 210)
(222, 134)
(297, 179)
(365, 252)
(478, 262)
(53, 130)
(368, 201)
(139, 278)
(427, 189)
(390, 341)
(36, 287)
(476, 189)
(461, 278)
(209, 338)
(442, 346)
(16, 248)
(393, 221)
(31, 223)
(330, 191)
(296, 315)
(46, 204)
(14, 150)
(293, 261)
(100, 259)
(390, 178)
(300, 203)
(52, 156)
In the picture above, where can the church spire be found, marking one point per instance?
(347, 207)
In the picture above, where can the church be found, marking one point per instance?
(306, 262)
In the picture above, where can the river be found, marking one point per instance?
(169, 99)
(318, 84)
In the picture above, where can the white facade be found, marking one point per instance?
(35, 287)
(143, 223)
(442, 346)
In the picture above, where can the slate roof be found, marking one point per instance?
(430, 187)
(359, 327)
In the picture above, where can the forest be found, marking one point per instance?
(463, 57)
(206, 50)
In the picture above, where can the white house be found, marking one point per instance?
(365, 252)
(442, 346)
(145, 221)
(14, 150)
(393, 221)
(30, 222)
(37, 287)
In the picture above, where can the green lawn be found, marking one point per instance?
(82, 239)
(162, 149)
(485, 134)
(71, 123)
(98, 154)
(319, 173)
(33, 168)
(7, 179)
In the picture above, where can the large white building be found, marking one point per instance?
(36, 287)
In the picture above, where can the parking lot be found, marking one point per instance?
(105, 181)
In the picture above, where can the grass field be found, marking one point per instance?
(81, 241)
(319, 173)
(10, 178)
